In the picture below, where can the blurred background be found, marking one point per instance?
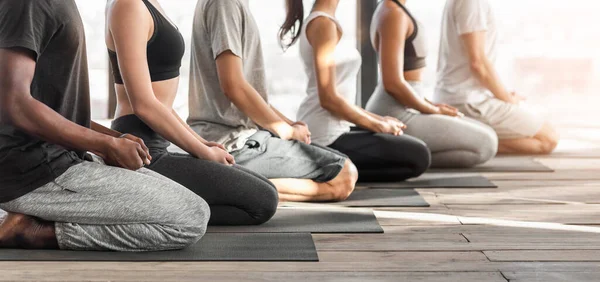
(549, 53)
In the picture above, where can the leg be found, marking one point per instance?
(236, 196)
(454, 142)
(306, 190)
(300, 172)
(384, 157)
(96, 207)
(543, 143)
(519, 130)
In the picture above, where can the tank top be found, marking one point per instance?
(325, 127)
(165, 49)
(415, 50)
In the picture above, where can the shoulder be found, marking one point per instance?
(391, 11)
(222, 6)
(321, 30)
(126, 10)
(125, 6)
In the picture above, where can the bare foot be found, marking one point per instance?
(26, 232)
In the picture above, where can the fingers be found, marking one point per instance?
(144, 157)
(145, 148)
(230, 159)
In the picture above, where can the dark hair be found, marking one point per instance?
(293, 23)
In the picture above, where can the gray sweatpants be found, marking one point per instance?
(97, 207)
(454, 142)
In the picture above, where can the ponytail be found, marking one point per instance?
(295, 14)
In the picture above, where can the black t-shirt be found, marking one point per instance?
(53, 30)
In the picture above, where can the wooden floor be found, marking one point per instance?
(535, 227)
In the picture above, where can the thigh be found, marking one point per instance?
(92, 193)
(275, 158)
(376, 150)
(509, 121)
(217, 184)
(443, 133)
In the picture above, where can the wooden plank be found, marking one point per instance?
(566, 174)
(255, 276)
(330, 262)
(540, 276)
(565, 214)
(548, 255)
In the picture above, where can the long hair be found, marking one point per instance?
(293, 23)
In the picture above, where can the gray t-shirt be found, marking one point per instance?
(53, 32)
(219, 26)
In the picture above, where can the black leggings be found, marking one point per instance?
(236, 196)
(384, 157)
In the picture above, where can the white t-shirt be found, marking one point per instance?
(324, 126)
(456, 83)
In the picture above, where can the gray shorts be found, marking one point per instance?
(275, 158)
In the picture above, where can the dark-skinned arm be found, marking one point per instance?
(19, 109)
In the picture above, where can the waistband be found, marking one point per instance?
(133, 125)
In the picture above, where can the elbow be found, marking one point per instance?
(478, 68)
(143, 110)
(232, 90)
(328, 103)
(11, 109)
(391, 85)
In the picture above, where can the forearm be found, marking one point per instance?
(184, 124)
(250, 103)
(168, 125)
(344, 110)
(38, 120)
(404, 94)
(486, 74)
(104, 130)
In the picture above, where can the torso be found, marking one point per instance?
(164, 90)
(416, 41)
(212, 114)
(325, 127)
(456, 83)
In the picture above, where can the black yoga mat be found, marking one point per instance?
(384, 198)
(505, 164)
(313, 220)
(433, 180)
(213, 247)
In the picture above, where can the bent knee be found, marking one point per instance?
(421, 158)
(265, 208)
(343, 185)
(191, 221)
(488, 147)
(548, 146)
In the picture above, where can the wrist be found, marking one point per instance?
(106, 144)
(283, 130)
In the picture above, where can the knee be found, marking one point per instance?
(345, 182)
(190, 223)
(421, 157)
(488, 146)
(548, 146)
(267, 205)
(548, 141)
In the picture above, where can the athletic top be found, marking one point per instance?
(164, 51)
(415, 50)
(324, 126)
(53, 32)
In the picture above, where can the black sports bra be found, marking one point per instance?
(412, 61)
(165, 50)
